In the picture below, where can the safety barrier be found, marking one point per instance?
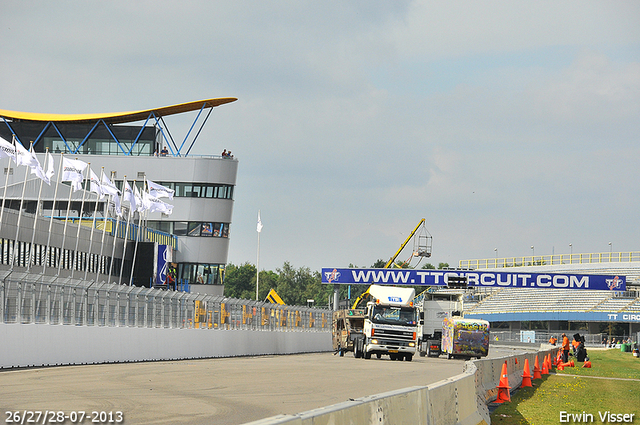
(77, 322)
(86, 303)
(462, 399)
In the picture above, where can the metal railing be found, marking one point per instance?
(83, 303)
(545, 260)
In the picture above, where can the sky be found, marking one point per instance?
(506, 125)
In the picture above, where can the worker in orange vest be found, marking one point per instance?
(565, 348)
(553, 340)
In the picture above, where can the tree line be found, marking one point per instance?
(294, 285)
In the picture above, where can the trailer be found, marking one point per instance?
(465, 338)
(348, 326)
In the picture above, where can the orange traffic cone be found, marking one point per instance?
(526, 375)
(567, 364)
(587, 364)
(560, 366)
(545, 368)
(536, 369)
(572, 363)
(503, 386)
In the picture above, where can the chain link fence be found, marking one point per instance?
(82, 303)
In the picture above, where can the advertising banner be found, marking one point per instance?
(479, 278)
(164, 257)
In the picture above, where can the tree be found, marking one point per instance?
(240, 281)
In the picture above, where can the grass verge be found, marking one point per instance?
(612, 385)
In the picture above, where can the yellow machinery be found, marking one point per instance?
(421, 246)
(274, 298)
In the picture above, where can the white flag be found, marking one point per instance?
(72, 170)
(7, 150)
(259, 223)
(156, 205)
(142, 206)
(36, 168)
(50, 171)
(115, 201)
(159, 191)
(108, 187)
(25, 157)
(129, 196)
(95, 186)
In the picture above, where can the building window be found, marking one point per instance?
(201, 274)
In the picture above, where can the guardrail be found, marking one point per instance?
(83, 303)
(544, 260)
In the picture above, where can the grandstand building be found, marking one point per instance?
(127, 146)
(558, 310)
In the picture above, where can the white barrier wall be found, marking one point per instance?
(460, 400)
(43, 345)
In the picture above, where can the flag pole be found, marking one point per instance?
(126, 234)
(35, 218)
(93, 228)
(6, 180)
(53, 207)
(105, 215)
(259, 227)
(115, 239)
(64, 229)
(84, 194)
(138, 235)
(15, 243)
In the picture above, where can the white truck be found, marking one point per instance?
(432, 313)
(390, 324)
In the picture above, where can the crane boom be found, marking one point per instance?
(413, 232)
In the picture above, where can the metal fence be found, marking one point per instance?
(544, 260)
(83, 303)
(542, 336)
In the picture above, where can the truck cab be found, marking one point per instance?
(390, 325)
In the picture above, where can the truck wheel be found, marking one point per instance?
(341, 352)
(408, 357)
(367, 355)
(449, 356)
(378, 355)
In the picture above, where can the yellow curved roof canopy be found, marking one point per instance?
(118, 117)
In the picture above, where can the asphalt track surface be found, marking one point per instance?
(213, 391)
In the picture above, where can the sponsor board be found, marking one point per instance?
(411, 277)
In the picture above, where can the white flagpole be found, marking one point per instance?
(138, 235)
(104, 231)
(115, 239)
(84, 194)
(15, 244)
(35, 218)
(64, 230)
(259, 227)
(6, 181)
(53, 207)
(93, 227)
(126, 234)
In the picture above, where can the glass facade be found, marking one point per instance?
(88, 139)
(201, 274)
(191, 228)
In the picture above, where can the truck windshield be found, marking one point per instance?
(405, 316)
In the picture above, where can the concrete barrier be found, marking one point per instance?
(26, 345)
(460, 400)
